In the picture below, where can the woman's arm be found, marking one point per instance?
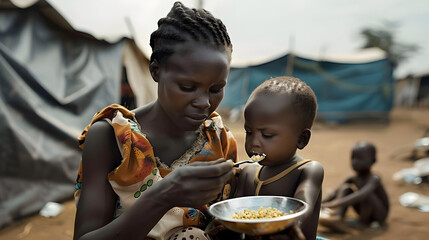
(97, 200)
(96, 207)
(192, 185)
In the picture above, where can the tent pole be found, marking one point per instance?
(130, 27)
(200, 4)
(291, 57)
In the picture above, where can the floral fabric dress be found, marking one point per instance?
(140, 168)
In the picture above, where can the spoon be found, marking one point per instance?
(253, 159)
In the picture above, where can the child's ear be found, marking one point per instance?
(303, 139)
(154, 70)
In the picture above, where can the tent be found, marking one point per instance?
(348, 88)
(412, 91)
(53, 79)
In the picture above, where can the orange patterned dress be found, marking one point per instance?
(140, 168)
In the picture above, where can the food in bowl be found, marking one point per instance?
(268, 212)
(223, 211)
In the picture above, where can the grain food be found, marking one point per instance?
(258, 157)
(269, 212)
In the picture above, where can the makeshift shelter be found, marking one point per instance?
(412, 91)
(348, 88)
(53, 79)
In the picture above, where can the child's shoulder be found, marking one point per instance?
(313, 169)
(248, 171)
(312, 165)
(376, 178)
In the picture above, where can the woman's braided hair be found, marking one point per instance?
(184, 24)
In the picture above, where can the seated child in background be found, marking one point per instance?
(278, 118)
(363, 191)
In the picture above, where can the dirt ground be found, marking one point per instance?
(330, 144)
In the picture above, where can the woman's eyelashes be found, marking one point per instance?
(191, 88)
(267, 135)
(187, 88)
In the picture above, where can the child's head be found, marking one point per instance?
(278, 118)
(363, 156)
(190, 62)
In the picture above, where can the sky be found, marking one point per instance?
(263, 30)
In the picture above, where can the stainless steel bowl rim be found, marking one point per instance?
(261, 220)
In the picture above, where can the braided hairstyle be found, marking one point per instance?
(184, 24)
(304, 101)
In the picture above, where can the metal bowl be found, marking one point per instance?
(224, 211)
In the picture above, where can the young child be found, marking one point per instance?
(144, 173)
(363, 191)
(278, 117)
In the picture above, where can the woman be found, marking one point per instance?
(178, 139)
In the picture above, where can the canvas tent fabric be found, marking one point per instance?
(423, 94)
(406, 91)
(346, 91)
(138, 74)
(412, 91)
(53, 79)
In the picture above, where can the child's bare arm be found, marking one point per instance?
(331, 196)
(310, 185)
(309, 189)
(357, 196)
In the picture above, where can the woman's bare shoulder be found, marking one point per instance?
(100, 146)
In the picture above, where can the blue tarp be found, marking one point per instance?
(345, 91)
